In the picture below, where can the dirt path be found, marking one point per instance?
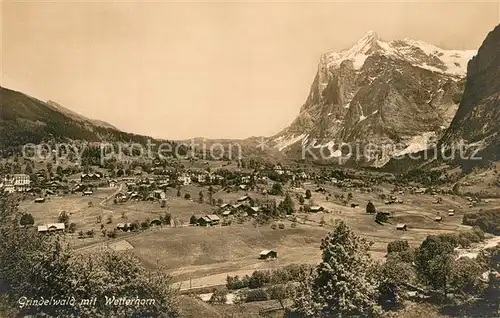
(104, 202)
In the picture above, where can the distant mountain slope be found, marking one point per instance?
(24, 119)
(400, 95)
(78, 117)
(477, 120)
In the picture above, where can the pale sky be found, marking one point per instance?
(205, 69)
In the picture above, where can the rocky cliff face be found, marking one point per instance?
(477, 121)
(398, 95)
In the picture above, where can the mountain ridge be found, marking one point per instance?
(27, 120)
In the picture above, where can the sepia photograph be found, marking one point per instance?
(234, 159)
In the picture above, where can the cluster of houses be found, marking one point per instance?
(19, 182)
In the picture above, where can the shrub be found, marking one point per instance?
(258, 294)
(27, 219)
(487, 221)
(72, 228)
(380, 217)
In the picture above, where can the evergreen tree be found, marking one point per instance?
(193, 220)
(308, 194)
(342, 284)
(28, 169)
(370, 208)
(286, 205)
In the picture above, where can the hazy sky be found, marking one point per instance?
(212, 69)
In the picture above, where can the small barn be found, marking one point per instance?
(123, 226)
(204, 221)
(401, 227)
(316, 208)
(51, 227)
(244, 198)
(268, 254)
(208, 220)
(252, 210)
(214, 219)
(39, 200)
(438, 219)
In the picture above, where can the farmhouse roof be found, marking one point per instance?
(400, 225)
(206, 219)
(265, 252)
(243, 198)
(49, 226)
(213, 217)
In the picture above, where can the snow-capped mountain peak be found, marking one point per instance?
(375, 91)
(416, 52)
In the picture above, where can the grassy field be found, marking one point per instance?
(205, 256)
(195, 252)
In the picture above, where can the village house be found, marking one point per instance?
(90, 177)
(39, 200)
(209, 220)
(51, 227)
(279, 170)
(19, 182)
(252, 210)
(401, 227)
(268, 254)
(244, 199)
(123, 226)
(184, 179)
(315, 208)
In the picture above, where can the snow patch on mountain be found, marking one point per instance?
(418, 143)
(418, 53)
(283, 142)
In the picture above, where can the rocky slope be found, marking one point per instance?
(477, 121)
(398, 95)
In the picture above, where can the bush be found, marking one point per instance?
(27, 219)
(487, 221)
(187, 196)
(193, 220)
(218, 297)
(72, 228)
(255, 295)
(112, 234)
(380, 217)
(397, 246)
